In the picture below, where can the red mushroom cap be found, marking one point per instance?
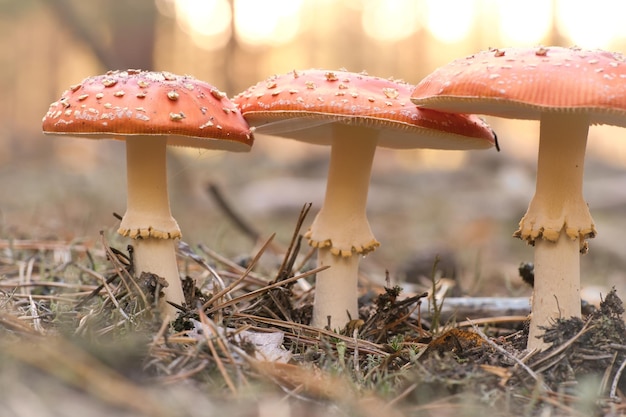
(191, 112)
(302, 105)
(523, 82)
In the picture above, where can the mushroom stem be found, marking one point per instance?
(558, 221)
(336, 290)
(342, 222)
(556, 291)
(148, 218)
(343, 218)
(158, 256)
(147, 208)
(558, 202)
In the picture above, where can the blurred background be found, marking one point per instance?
(461, 205)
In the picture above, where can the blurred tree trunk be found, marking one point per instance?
(81, 28)
(132, 25)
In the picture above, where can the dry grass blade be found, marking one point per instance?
(251, 276)
(294, 245)
(17, 244)
(206, 322)
(187, 374)
(503, 351)
(492, 321)
(607, 375)
(452, 406)
(616, 378)
(315, 383)
(63, 285)
(123, 272)
(551, 354)
(559, 401)
(185, 249)
(320, 386)
(14, 324)
(233, 284)
(112, 298)
(96, 290)
(67, 298)
(260, 291)
(72, 365)
(390, 313)
(392, 403)
(364, 345)
(25, 277)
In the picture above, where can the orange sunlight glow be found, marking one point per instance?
(390, 20)
(207, 22)
(450, 27)
(591, 25)
(524, 23)
(267, 22)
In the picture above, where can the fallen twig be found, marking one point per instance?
(503, 351)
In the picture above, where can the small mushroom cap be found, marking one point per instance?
(521, 83)
(303, 105)
(190, 112)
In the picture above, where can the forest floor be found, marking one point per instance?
(80, 338)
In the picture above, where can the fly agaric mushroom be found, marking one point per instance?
(353, 113)
(150, 110)
(566, 89)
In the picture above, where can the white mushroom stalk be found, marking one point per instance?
(341, 230)
(558, 205)
(148, 218)
(148, 206)
(341, 223)
(558, 221)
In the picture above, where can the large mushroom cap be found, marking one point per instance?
(303, 105)
(119, 103)
(522, 83)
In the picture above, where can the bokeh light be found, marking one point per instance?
(390, 20)
(450, 21)
(207, 22)
(267, 22)
(591, 25)
(524, 23)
